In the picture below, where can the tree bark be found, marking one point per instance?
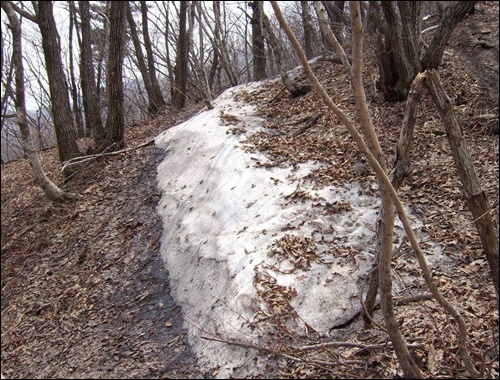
(386, 230)
(166, 34)
(220, 45)
(402, 36)
(207, 91)
(61, 110)
(336, 14)
(473, 192)
(159, 100)
(258, 46)
(114, 123)
(51, 190)
(398, 46)
(77, 115)
(402, 164)
(454, 13)
(308, 25)
(153, 107)
(294, 88)
(101, 46)
(329, 35)
(181, 61)
(89, 90)
(391, 192)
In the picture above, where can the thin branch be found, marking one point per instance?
(79, 160)
(383, 178)
(321, 346)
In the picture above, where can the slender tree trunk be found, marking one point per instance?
(258, 47)
(213, 70)
(409, 367)
(201, 63)
(219, 42)
(309, 34)
(159, 100)
(329, 35)
(402, 163)
(102, 53)
(51, 190)
(61, 110)
(454, 13)
(89, 90)
(402, 35)
(291, 84)
(77, 115)
(338, 19)
(170, 69)
(114, 123)
(153, 107)
(473, 192)
(181, 62)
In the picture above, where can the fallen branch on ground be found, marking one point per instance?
(77, 161)
(308, 124)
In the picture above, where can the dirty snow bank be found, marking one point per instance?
(221, 214)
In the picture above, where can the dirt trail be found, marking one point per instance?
(92, 299)
(85, 293)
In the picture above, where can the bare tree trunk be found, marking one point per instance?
(338, 19)
(402, 36)
(219, 44)
(201, 67)
(159, 100)
(167, 48)
(153, 107)
(473, 192)
(391, 192)
(77, 115)
(51, 190)
(181, 61)
(114, 123)
(402, 164)
(248, 19)
(309, 34)
(89, 90)
(328, 33)
(408, 365)
(291, 84)
(61, 110)
(102, 51)
(454, 13)
(398, 50)
(258, 47)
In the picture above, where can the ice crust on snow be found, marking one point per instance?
(221, 213)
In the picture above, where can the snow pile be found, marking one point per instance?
(222, 215)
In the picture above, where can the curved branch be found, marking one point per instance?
(386, 183)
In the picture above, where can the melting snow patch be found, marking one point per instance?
(224, 220)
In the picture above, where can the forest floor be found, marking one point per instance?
(84, 290)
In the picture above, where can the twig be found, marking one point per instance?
(366, 313)
(79, 160)
(308, 348)
(250, 345)
(308, 124)
(321, 346)
(419, 297)
(279, 92)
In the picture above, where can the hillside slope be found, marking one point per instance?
(84, 290)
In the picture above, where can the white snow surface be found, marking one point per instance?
(221, 213)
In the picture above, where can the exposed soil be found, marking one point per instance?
(84, 291)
